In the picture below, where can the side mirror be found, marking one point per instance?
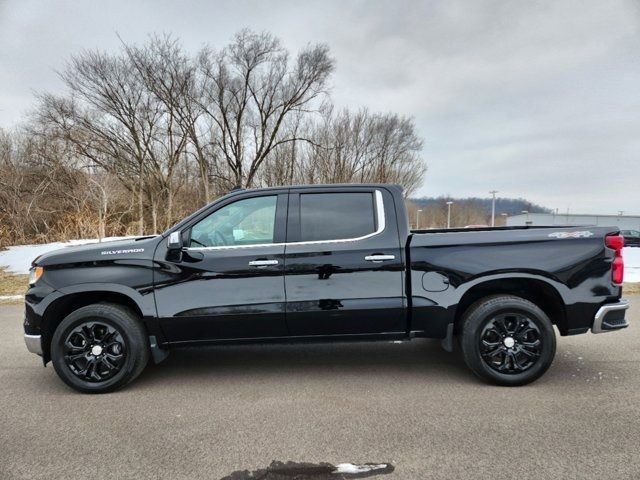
(175, 241)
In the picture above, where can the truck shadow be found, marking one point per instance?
(421, 357)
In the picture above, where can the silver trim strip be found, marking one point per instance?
(602, 312)
(380, 215)
(262, 263)
(379, 258)
(234, 247)
(34, 343)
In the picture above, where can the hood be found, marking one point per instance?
(133, 248)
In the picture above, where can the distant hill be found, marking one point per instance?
(510, 206)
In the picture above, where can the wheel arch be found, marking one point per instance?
(71, 301)
(538, 291)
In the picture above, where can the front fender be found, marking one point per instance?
(143, 299)
(44, 317)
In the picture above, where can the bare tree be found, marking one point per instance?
(249, 92)
(364, 147)
(109, 116)
(39, 187)
(143, 136)
(463, 213)
(284, 164)
(170, 75)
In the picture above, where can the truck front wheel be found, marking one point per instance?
(99, 348)
(507, 340)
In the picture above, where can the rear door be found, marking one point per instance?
(343, 263)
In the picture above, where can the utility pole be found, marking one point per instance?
(418, 219)
(449, 203)
(493, 207)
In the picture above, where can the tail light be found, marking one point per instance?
(616, 242)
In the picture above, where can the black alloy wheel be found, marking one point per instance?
(511, 343)
(99, 348)
(507, 340)
(94, 351)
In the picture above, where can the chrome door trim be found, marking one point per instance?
(381, 226)
(262, 263)
(379, 258)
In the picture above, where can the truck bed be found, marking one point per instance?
(449, 269)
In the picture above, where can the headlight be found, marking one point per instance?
(34, 274)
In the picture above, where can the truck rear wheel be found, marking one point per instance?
(507, 340)
(99, 348)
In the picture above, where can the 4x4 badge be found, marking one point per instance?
(580, 234)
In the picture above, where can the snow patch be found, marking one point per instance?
(18, 259)
(631, 256)
(11, 297)
(351, 468)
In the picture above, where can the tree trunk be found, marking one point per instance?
(140, 203)
(104, 217)
(154, 216)
(205, 182)
(169, 205)
(293, 161)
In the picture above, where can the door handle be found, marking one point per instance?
(262, 263)
(379, 258)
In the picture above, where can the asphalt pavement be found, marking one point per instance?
(227, 411)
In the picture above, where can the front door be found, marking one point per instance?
(228, 283)
(343, 263)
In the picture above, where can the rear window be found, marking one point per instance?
(336, 216)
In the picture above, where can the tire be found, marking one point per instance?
(99, 348)
(507, 340)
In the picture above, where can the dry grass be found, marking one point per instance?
(12, 284)
(631, 288)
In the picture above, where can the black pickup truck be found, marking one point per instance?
(322, 263)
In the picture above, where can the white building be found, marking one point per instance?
(624, 222)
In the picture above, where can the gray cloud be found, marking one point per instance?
(535, 99)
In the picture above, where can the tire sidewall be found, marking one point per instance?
(76, 318)
(479, 318)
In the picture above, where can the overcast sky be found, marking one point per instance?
(535, 99)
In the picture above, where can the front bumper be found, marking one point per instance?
(34, 343)
(610, 317)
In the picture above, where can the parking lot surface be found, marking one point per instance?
(207, 413)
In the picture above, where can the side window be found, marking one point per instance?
(246, 222)
(335, 216)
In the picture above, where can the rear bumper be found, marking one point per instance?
(34, 343)
(610, 317)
